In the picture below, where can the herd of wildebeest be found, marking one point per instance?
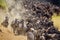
(38, 24)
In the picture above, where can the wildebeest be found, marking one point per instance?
(5, 23)
(32, 34)
(15, 25)
(19, 27)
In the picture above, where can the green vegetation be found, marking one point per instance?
(3, 4)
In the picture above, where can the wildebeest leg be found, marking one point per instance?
(15, 31)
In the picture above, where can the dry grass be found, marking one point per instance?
(56, 20)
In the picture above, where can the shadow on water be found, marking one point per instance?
(55, 2)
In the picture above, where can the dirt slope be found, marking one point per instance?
(7, 35)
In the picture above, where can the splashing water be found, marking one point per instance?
(15, 9)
